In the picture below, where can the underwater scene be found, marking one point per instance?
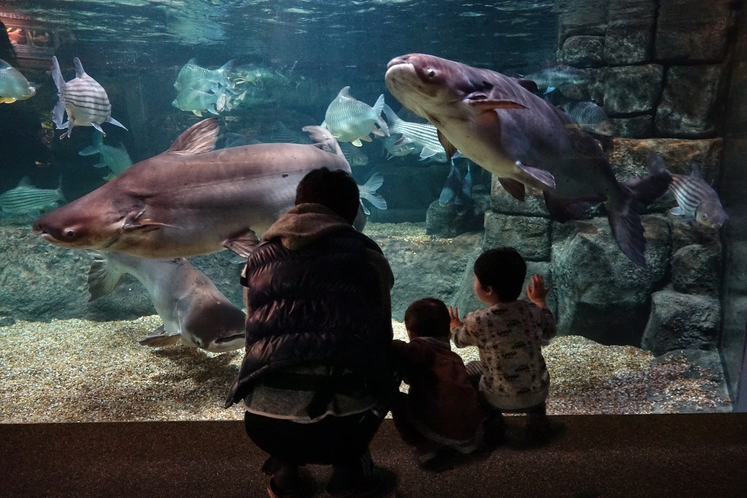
(147, 145)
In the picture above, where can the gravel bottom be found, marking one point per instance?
(83, 371)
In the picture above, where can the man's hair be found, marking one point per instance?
(335, 189)
(428, 317)
(504, 270)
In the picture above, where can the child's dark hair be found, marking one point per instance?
(504, 270)
(428, 317)
(335, 189)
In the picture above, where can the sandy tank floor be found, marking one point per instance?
(83, 371)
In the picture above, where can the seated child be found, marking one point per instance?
(512, 374)
(441, 410)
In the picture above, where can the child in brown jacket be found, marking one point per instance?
(440, 412)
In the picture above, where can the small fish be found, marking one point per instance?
(84, 100)
(423, 135)
(13, 85)
(114, 158)
(27, 199)
(350, 120)
(463, 200)
(354, 155)
(194, 77)
(394, 147)
(368, 192)
(559, 76)
(695, 198)
(193, 310)
(197, 101)
(590, 117)
(452, 186)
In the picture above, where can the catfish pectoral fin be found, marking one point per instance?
(242, 244)
(514, 187)
(538, 178)
(159, 338)
(146, 225)
(492, 104)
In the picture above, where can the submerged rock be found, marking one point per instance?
(681, 321)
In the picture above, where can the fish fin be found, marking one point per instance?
(103, 277)
(89, 151)
(527, 84)
(514, 187)
(539, 177)
(427, 152)
(243, 244)
(646, 189)
(25, 182)
(198, 138)
(7, 100)
(98, 127)
(368, 192)
(391, 116)
(197, 113)
(656, 163)
(448, 146)
(564, 209)
(628, 230)
(160, 338)
(57, 76)
(378, 133)
(109, 177)
(378, 107)
(366, 211)
(549, 89)
(323, 139)
(100, 165)
(345, 92)
(677, 211)
(489, 105)
(145, 224)
(357, 142)
(79, 71)
(366, 139)
(374, 183)
(58, 114)
(113, 121)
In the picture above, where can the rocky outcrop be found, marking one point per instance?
(681, 321)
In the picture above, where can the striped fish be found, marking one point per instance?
(84, 100)
(350, 120)
(27, 199)
(590, 117)
(423, 135)
(695, 198)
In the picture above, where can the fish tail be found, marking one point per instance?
(103, 276)
(627, 229)
(391, 116)
(378, 107)
(646, 189)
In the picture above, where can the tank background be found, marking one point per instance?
(684, 62)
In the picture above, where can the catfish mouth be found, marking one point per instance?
(228, 343)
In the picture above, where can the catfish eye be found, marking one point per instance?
(431, 72)
(70, 233)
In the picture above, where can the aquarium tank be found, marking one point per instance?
(147, 145)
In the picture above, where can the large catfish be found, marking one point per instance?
(191, 199)
(502, 126)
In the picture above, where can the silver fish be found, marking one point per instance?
(368, 192)
(84, 100)
(523, 140)
(590, 117)
(192, 199)
(559, 76)
(13, 85)
(423, 135)
(695, 198)
(354, 155)
(197, 101)
(350, 120)
(193, 310)
(194, 77)
(27, 199)
(452, 186)
(115, 158)
(394, 147)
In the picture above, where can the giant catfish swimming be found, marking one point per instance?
(502, 126)
(191, 199)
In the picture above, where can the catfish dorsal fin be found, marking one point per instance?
(448, 146)
(198, 138)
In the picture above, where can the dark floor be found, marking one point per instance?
(598, 456)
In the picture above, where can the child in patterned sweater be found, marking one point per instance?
(512, 374)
